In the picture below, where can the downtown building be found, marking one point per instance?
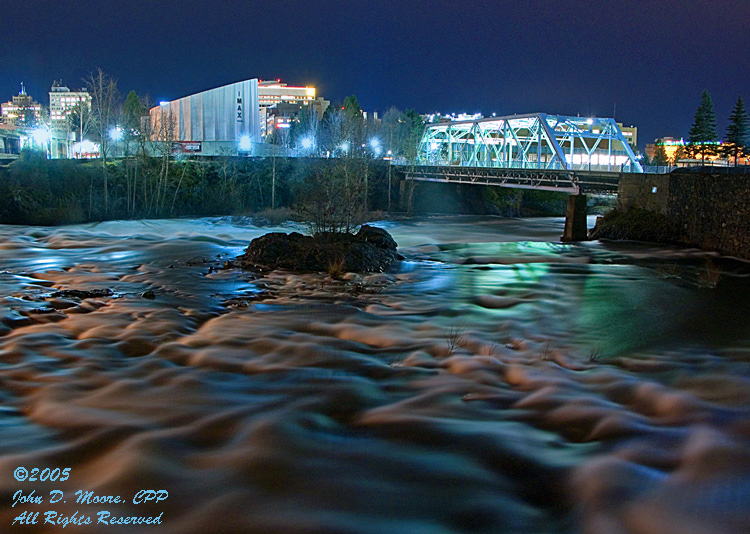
(63, 133)
(220, 121)
(280, 104)
(22, 111)
(275, 92)
(21, 125)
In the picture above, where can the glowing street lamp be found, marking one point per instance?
(246, 144)
(375, 145)
(40, 136)
(307, 143)
(345, 146)
(115, 133)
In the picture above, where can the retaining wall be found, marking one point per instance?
(709, 211)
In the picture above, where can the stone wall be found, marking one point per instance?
(709, 211)
(643, 191)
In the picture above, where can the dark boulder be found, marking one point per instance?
(376, 236)
(370, 250)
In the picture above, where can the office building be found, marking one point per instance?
(62, 101)
(275, 92)
(63, 132)
(22, 111)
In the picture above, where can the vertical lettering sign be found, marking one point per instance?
(239, 106)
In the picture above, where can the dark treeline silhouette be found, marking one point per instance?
(50, 192)
(334, 192)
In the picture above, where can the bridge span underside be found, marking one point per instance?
(571, 182)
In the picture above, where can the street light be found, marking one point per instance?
(41, 137)
(307, 143)
(246, 144)
(115, 134)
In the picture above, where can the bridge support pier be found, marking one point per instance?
(575, 219)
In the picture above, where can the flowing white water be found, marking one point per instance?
(497, 381)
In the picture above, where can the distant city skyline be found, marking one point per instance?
(650, 63)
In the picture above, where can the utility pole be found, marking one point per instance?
(273, 178)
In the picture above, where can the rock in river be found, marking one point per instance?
(371, 250)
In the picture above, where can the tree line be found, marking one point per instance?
(704, 141)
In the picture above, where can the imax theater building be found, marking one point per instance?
(221, 121)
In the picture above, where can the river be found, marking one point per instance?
(496, 381)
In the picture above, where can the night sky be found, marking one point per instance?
(649, 59)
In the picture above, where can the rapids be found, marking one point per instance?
(496, 381)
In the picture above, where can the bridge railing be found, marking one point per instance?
(658, 169)
(553, 166)
(445, 162)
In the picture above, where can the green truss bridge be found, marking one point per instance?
(535, 151)
(575, 155)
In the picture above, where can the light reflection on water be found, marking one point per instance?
(582, 295)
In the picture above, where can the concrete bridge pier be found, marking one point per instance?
(575, 219)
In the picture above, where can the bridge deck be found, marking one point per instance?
(573, 182)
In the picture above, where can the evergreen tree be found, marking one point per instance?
(132, 111)
(703, 130)
(133, 115)
(660, 156)
(354, 123)
(738, 131)
(414, 129)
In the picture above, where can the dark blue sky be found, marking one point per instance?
(651, 59)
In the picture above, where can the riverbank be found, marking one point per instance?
(38, 191)
(708, 211)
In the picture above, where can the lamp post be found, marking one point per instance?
(390, 163)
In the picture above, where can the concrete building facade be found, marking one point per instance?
(224, 120)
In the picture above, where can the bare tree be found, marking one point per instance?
(79, 120)
(163, 128)
(104, 108)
